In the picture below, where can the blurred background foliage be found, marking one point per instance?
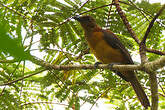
(44, 28)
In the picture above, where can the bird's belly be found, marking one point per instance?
(105, 53)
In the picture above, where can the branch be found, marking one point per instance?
(152, 23)
(154, 65)
(83, 53)
(134, 6)
(144, 13)
(154, 90)
(161, 88)
(99, 97)
(149, 67)
(142, 51)
(16, 12)
(126, 22)
(65, 52)
(19, 79)
(96, 8)
(82, 5)
(155, 51)
(147, 13)
(8, 61)
(85, 66)
(68, 19)
(152, 74)
(162, 95)
(43, 103)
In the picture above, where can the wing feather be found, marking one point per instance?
(114, 42)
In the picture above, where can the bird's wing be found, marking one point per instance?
(114, 42)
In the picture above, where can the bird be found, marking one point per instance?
(108, 49)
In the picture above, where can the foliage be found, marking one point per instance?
(28, 27)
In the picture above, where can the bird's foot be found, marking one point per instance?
(111, 65)
(97, 64)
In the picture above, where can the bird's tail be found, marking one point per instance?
(140, 92)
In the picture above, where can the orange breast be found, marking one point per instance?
(102, 50)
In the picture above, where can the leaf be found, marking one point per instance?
(10, 45)
(48, 26)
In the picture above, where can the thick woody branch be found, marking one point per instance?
(154, 65)
(142, 44)
(151, 66)
(126, 22)
(85, 66)
(144, 14)
(142, 51)
(154, 90)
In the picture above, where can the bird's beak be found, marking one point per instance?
(77, 17)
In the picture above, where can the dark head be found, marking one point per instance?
(87, 22)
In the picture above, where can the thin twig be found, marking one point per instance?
(65, 52)
(155, 51)
(68, 19)
(23, 71)
(161, 88)
(100, 97)
(141, 11)
(152, 23)
(8, 61)
(29, 103)
(10, 77)
(96, 8)
(3, 90)
(82, 5)
(161, 94)
(19, 79)
(83, 53)
(144, 13)
(14, 11)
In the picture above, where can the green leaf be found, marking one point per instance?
(10, 45)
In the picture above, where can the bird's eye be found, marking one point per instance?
(87, 19)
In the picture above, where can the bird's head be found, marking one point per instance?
(87, 22)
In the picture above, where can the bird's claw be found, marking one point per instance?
(111, 65)
(97, 64)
